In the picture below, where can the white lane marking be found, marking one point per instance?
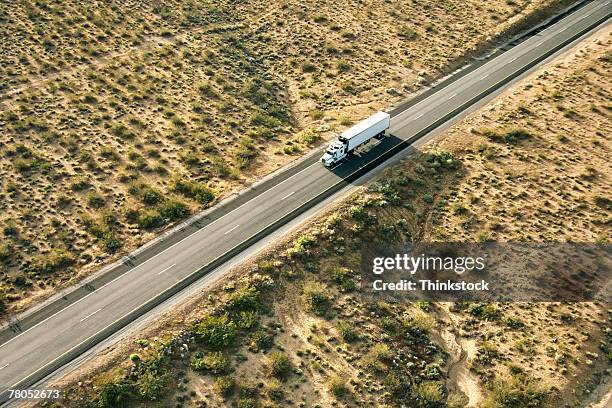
(452, 96)
(513, 59)
(230, 230)
(89, 315)
(420, 116)
(288, 195)
(61, 310)
(563, 29)
(150, 259)
(4, 366)
(540, 43)
(159, 273)
(317, 163)
(484, 77)
(335, 167)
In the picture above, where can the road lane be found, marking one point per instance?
(46, 343)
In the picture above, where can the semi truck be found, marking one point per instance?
(355, 136)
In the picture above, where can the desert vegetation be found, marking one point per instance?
(119, 119)
(295, 327)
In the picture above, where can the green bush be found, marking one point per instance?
(515, 392)
(377, 358)
(123, 132)
(316, 114)
(215, 362)
(260, 118)
(53, 261)
(343, 66)
(346, 331)
(95, 200)
(189, 158)
(338, 386)
(487, 354)
(389, 193)
(433, 371)
(80, 184)
(310, 137)
(397, 385)
(316, 297)
(5, 250)
(320, 19)
(301, 246)
(150, 196)
(114, 394)
(291, 149)
(207, 90)
(442, 159)
(275, 390)
(407, 33)
(10, 229)
(428, 394)
(511, 136)
(224, 385)
(151, 385)
(514, 323)
(173, 210)
(484, 311)
(247, 298)
(150, 219)
(25, 160)
(261, 339)
(247, 320)
(342, 277)
(216, 332)
(515, 135)
(279, 365)
(308, 67)
(246, 153)
(417, 324)
(194, 190)
(246, 402)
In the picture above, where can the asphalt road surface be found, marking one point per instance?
(55, 338)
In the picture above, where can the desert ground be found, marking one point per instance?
(119, 119)
(294, 328)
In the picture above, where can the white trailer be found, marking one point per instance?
(355, 136)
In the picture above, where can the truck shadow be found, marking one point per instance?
(371, 156)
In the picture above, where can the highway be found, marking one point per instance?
(58, 334)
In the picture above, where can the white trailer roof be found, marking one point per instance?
(363, 125)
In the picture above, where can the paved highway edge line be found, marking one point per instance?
(88, 343)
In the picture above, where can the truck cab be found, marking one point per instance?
(355, 136)
(334, 153)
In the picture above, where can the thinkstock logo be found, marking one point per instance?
(489, 271)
